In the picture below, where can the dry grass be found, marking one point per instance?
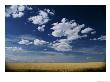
(56, 67)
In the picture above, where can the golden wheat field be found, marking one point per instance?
(56, 67)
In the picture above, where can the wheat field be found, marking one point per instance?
(56, 67)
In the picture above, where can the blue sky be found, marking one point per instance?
(55, 33)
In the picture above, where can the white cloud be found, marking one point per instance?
(67, 28)
(29, 8)
(62, 45)
(94, 39)
(64, 41)
(93, 32)
(25, 42)
(16, 11)
(74, 34)
(38, 20)
(50, 12)
(41, 28)
(21, 8)
(14, 48)
(71, 30)
(39, 42)
(29, 39)
(102, 37)
(41, 18)
(87, 30)
(17, 15)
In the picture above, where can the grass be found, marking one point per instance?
(56, 67)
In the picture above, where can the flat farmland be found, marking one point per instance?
(56, 67)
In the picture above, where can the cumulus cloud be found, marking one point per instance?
(16, 11)
(62, 45)
(38, 20)
(19, 14)
(39, 42)
(87, 30)
(71, 30)
(41, 28)
(32, 41)
(41, 19)
(25, 42)
(50, 12)
(94, 32)
(102, 37)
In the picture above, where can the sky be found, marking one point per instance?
(55, 33)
